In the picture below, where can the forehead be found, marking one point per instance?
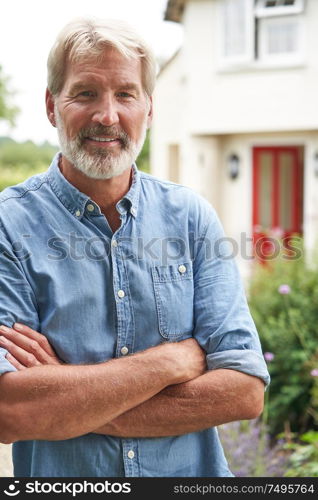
(111, 65)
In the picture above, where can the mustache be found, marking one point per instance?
(111, 131)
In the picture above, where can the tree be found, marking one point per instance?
(8, 111)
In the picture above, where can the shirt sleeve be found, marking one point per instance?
(17, 300)
(223, 324)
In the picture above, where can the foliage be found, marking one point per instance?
(143, 160)
(303, 461)
(8, 111)
(21, 160)
(284, 304)
(249, 452)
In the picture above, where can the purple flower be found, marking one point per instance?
(314, 372)
(269, 356)
(284, 289)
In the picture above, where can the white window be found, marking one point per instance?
(280, 34)
(237, 25)
(261, 31)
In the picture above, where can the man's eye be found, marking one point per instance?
(87, 93)
(124, 95)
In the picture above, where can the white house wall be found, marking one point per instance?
(170, 101)
(247, 99)
(212, 113)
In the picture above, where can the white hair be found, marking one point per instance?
(87, 39)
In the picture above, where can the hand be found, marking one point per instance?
(26, 347)
(189, 359)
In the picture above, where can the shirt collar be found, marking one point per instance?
(75, 201)
(133, 194)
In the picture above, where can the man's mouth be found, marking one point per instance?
(103, 139)
(103, 142)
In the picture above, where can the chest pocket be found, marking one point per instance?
(173, 287)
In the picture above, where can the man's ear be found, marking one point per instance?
(150, 112)
(49, 101)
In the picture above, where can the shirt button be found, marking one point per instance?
(114, 243)
(90, 207)
(130, 454)
(124, 350)
(78, 213)
(182, 269)
(121, 294)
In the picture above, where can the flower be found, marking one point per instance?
(269, 356)
(277, 232)
(284, 289)
(314, 372)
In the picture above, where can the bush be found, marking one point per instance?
(19, 161)
(284, 304)
(249, 452)
(304, 460)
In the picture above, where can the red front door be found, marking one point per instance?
(277, 195)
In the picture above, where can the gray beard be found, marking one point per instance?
(100, 163)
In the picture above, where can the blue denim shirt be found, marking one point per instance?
(61, 269)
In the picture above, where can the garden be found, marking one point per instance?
(283, 442)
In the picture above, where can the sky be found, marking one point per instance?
(27, 31)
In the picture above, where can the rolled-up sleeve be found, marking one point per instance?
(17, 300)
(223, 324)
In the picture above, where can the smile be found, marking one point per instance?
(102, 139)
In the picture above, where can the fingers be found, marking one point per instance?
(15, 362)
(30, 348)
(22, 356)
(38, 337)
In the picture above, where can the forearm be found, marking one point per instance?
(217, 397)
(61, 402)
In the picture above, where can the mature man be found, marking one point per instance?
(146, 340)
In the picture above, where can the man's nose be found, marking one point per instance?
(106, 113)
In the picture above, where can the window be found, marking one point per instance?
(264, 31)
(266, 8)
(237, 30)
(279, 29)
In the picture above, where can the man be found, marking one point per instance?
(146, 340)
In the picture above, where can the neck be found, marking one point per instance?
(105, 192)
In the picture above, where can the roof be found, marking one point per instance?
(174, 10)
(167, 62)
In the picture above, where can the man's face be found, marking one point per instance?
(102, 114)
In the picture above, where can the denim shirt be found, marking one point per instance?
(164, 275)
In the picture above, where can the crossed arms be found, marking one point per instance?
(162, 391)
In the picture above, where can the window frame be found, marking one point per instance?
(265, 57)
(249, 55)
(280, 10)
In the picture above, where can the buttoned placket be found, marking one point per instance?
(121, 291)
(130, 457)
(125, 326)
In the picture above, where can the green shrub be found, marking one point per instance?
(303, 462)
(283, 298)
(18, 161)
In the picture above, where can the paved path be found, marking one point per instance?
(5, 461)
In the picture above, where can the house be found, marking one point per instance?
(236, 117)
